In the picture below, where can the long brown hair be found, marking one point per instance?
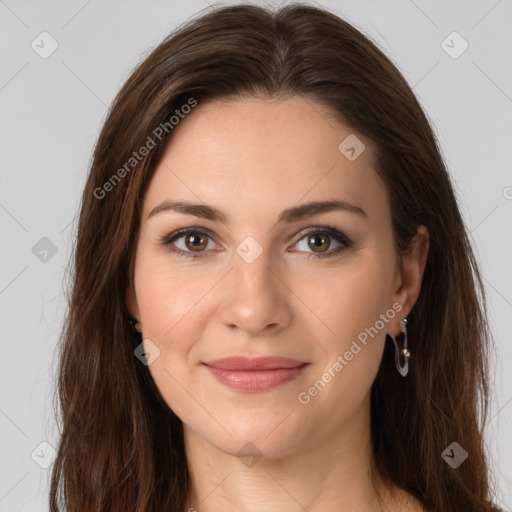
(121, 446)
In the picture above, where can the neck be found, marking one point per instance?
(332, 473)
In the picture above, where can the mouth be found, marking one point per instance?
(258, 374)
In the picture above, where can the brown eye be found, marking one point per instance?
(319, 242)
(196, 242)
(188, 243)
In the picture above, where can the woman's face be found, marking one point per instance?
(262, 283)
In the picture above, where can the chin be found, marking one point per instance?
(263, 437)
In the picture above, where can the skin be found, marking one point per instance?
(253, 158)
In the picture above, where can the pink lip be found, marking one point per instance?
(257, 374)
(257, 363)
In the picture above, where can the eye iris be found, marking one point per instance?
(193, 239)
(324, 244)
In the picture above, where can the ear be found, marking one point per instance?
(407, 283)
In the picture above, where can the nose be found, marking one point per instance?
(255, 297)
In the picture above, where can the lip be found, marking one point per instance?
(256, 363)
(259, 374)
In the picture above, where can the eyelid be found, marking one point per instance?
(325, 228)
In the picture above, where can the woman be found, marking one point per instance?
(275, 301)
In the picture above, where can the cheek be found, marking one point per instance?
(352, 302)
(176, 306)
(347, 299)
(170, 308)
(165, 297)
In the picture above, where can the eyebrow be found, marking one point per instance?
(289, 215)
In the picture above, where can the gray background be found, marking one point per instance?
(51, 113)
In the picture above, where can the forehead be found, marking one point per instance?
(256, 155)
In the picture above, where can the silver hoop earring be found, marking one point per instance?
(402, 370)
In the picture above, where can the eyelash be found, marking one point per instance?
(344, 240)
